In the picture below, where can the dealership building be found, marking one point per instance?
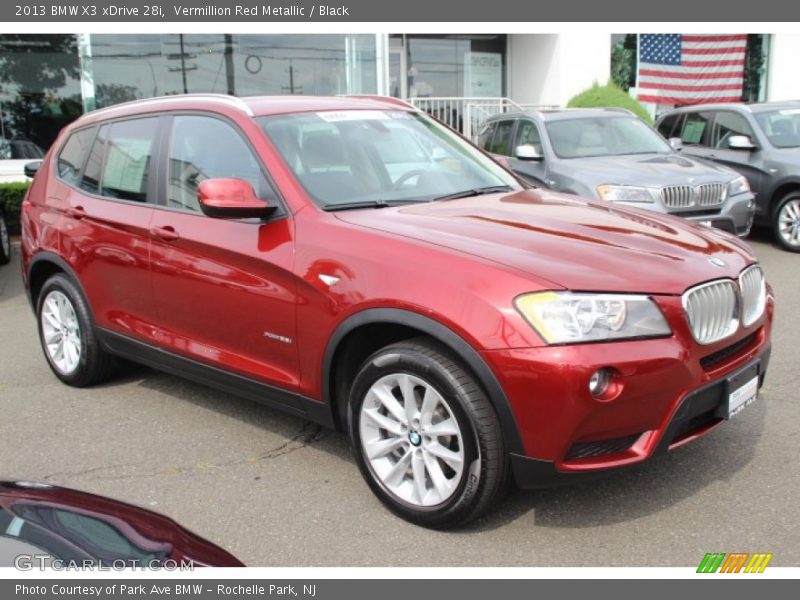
(46, 81)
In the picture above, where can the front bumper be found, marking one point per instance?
(670, 392)
(735, 216)
(698, 413)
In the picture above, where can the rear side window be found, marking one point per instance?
(667, 125)
(695, 130)
(73, 155)
(501, 141)
(127, 158)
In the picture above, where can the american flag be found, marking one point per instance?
(691, 69)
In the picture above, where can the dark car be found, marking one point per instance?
(612, 155)
(760, 141)
(5, 238)
(45, 525)
(460, 327)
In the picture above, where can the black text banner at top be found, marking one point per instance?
(454, 11)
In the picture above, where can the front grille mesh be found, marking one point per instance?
(712, 310)
(754, 294)
(686, 196)
(602, 447)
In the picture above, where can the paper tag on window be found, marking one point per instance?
(353, 115)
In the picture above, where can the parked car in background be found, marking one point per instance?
(613, 155)
(5, 238)
(14, 155)
(43, 525)
(760, 141)
(460, 327)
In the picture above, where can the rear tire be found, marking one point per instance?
(5, 241)
(786, 222)
(438, 461)
(67, 335)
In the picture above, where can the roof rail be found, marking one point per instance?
(220, 98)
(386, 99)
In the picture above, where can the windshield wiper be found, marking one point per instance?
(491, 189)
(367, 204)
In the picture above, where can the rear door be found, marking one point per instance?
(224, 289)
(105, 232)
(695, 133)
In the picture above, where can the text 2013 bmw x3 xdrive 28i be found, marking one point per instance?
(354, 262)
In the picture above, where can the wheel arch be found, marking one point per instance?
(398, 324)
(784, 187)
(44, 265)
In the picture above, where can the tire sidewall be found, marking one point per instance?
(398, 360)
(5, 251)
(776, 225)
(65, 286)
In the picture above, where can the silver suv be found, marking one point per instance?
(613, 155)
(760, 141)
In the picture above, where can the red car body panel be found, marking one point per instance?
(217, 288)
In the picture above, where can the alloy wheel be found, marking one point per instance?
(411, 439)
(789, 223)
(5, 240)
(61, 331)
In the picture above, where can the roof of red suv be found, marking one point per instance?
(252, 105)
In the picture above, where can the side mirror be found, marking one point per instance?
(32, 168)
(741, 142)
(676, 144)
(231, 199)
(527, 152)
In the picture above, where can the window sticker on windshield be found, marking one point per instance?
(790, 111)
(353, 115)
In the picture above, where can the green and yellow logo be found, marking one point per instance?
(736, 562)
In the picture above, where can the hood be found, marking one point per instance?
(576, 244)
(653, 170)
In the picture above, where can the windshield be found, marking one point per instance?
(19, 149)
(782, 127)
(604, 136)
(355, 156)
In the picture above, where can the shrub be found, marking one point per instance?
(11, 196)
(599, 96)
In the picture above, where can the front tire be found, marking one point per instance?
(786, 222)
(67, 334)
(425, 436)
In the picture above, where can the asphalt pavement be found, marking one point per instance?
(278, 491)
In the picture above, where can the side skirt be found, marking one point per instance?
(232, 383)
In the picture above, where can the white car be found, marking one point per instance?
(14, 155)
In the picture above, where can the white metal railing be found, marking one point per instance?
(468, 115)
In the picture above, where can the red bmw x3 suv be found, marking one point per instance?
(354, 262)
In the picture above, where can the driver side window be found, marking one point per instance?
(726, 125)
(528, 135)
(208, 148)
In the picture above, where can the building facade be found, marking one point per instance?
(46, 81)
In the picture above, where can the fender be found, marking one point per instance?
(446, 336)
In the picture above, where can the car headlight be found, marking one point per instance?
(740, 185)
(570, 318)
(624, 193)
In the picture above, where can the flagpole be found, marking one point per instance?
(638, 52)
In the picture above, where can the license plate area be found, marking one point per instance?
(742, 391)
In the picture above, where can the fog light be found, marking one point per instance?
(599, 382)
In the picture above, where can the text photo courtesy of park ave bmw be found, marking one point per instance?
(294, 285)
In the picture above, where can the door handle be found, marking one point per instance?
(76, 212)
(166, 233)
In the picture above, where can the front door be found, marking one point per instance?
(224, 289)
